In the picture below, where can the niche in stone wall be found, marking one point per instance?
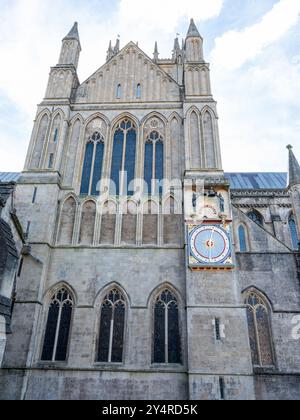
(67, 219)
(150, 223)
(172, 222)
(72, 153)
(108, 223)
(175, 149)
(87, 226)
(129, 223)
(39, 142)
(210, 155)
(195, 146)
(50, 154)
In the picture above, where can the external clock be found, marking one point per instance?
(210, 246)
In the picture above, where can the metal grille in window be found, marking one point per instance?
(154, 163)
(58, 327)
(92, 166)
(112, 328)
(123, 158)
(167, 346)
(259, 331)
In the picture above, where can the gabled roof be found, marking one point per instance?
(139, 50)
(258, 180)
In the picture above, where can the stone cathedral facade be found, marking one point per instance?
(140, 270)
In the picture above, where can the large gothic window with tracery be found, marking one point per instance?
(112, 328)
(256, 217)
(154, 163)
(294, 233)
(259, 324)
(58, 327)
(123, 158)
(167, 346)
(92, 166)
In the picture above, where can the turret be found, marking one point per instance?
(71, 48)
(294, 186)
(193, 44)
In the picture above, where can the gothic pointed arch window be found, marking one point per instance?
(123, 158)
(294, 233)
(112, 328)
(256, 217)
(92, 166)
(138, 91)
(58, 327)
(154, 163)
(242, 239)
(119, 92)
(259, 324)
(167, 342)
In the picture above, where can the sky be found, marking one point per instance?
(253, 47)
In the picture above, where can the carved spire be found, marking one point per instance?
(193, 31)
(156, 53)
(110, 52)
(73, 34)
(294, 168)
(117, 46)
(176, 50)
(71, 48)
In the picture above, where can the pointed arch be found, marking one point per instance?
(193, 116)
(112, 327)
(50, 150)
(167, 346)
(256, 217)
(123, 160)
(150, 222)
(209, 139)
(124, 115)
(151, 115)
(71, 157)
(108, 222)
(88, 220)
(243, 237)
(67, 221)
(295, 241)
(172, 222)
(43, 122)
(94, 116)
(129, 222)
(260, 330)
(175, 146)
(58, 326)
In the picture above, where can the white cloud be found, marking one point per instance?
(235, 48)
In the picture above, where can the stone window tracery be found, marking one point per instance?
(57, 333)
(167, 346)
(92, 166)
(154, 163)
(260, 335)
(112, 328)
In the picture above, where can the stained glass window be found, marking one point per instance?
(58, 327)
(260, 335)
(154, 163)
(242, 239)
(123, 158)
(167, 346)
(256, 217)
(294, 233)
(92, 166)
(112, 328)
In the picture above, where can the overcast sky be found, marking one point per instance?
(253, 47)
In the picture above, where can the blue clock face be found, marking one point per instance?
(210, 244)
